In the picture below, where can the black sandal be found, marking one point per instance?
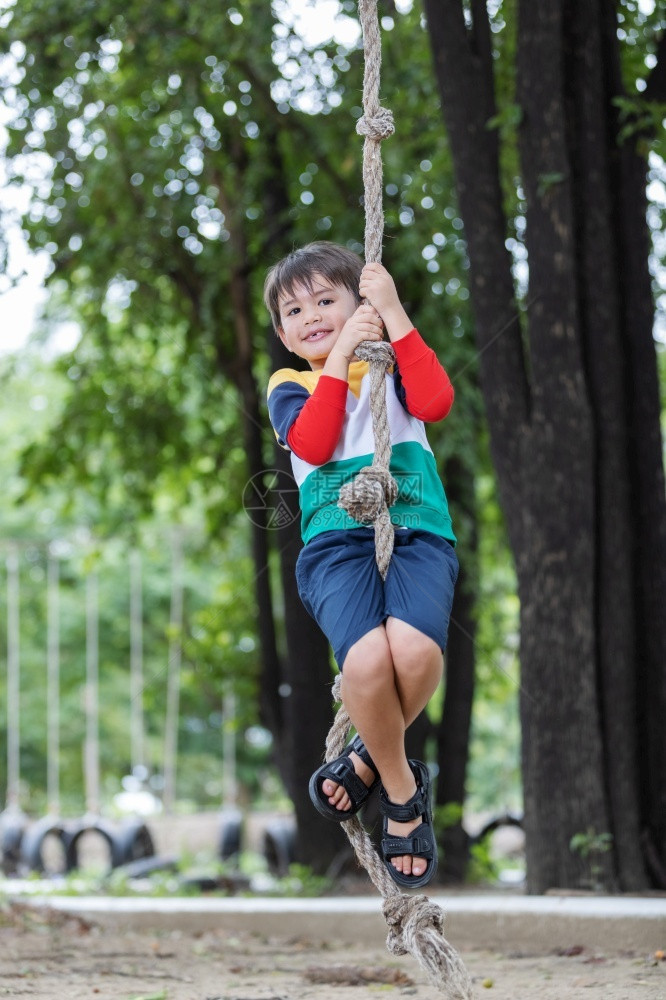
(341, 771)
(421, 842)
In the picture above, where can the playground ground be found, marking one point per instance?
(52, 954)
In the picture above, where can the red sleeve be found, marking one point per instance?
(428, 390)
(316, 430)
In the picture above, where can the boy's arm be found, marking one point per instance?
(428, 390)
(310, 425)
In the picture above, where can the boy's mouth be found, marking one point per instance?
(317, 334)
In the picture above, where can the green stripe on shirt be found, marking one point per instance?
(421, 502)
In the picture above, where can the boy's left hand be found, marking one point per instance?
(377, 286)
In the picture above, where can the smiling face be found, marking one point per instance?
(312, 317)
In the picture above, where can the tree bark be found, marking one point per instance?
(542, 426)
(591, 145)
(645, 449)
(467, 98)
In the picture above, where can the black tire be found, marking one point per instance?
(134, 841)
(107, 831)
(278, 845)
(13, 825)
(231, 827)
(508, 819)
(32, 845)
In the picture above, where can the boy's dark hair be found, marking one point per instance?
(336, 264)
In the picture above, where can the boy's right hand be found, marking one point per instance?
(364, 324)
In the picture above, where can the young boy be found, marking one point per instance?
(388, 636)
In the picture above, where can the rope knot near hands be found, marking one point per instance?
(364, 497)
(369, 495)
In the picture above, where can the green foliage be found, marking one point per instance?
(157, 144)
(482, 868)
(447, 816)
(218, 589)
(591, 846)
(192, 877)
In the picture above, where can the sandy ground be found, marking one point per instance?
(50, 956)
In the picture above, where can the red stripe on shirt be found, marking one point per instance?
(315, 432)
(428, 390)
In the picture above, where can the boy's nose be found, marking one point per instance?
(312, 316)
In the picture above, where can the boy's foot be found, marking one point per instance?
(408, 864)
(408, 844)
(337, 794)
(339, 789)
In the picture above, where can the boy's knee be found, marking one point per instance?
(412, 649)
(369, 660)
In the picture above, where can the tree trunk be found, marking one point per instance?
(463, 69)
(240, 371)
(591, 147)
(543, 431)
(645, 450)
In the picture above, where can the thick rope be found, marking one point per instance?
(415, 923)
(368, 497)
(373, 490)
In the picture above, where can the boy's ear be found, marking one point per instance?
(280, 333)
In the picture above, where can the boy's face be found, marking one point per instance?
(311, 320)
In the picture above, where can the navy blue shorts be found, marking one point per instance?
(342, 589)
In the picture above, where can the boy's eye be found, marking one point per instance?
(325, 302)
(293, 311)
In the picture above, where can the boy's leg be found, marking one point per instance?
(418, 663)
(373, 653)
(387, 679)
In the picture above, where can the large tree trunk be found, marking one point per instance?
(558, 439)
(591, 148)
(645, 451)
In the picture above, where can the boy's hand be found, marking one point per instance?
(364, 324)
(377, 286)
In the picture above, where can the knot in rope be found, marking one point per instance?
(416, 926)
(407, 916)
(366, 495)
(377, 126)
(377, 352)
(367, 498)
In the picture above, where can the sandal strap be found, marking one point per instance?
(403, 813)
(341, 770)
(419, 844)
(358, 746)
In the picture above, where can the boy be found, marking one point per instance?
(388, 636)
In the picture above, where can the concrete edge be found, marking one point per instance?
(530, 923)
